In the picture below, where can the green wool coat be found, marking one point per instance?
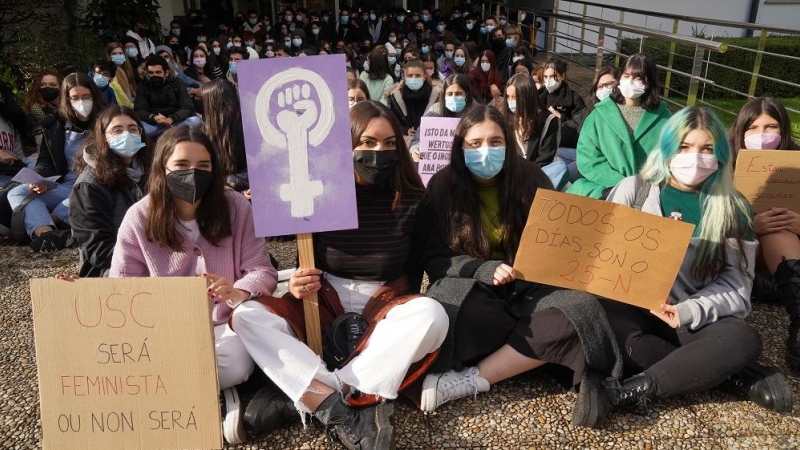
(607, 152)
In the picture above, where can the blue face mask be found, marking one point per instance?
(392, 60)
(232, 67)
(425, 49)
(485, 162)
(344, 19)
(459, 60)
(414, 84)
(455, 104)
(448, 55)
(132, 52)
(509, 42)
(100, 81)
(126, 145)
(118, 59)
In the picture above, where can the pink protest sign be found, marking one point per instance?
(435, 142)
(299, 153)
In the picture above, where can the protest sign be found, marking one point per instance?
(769, 178)
(605, 248)
(126, 363)
(435, 144)
(297, 138)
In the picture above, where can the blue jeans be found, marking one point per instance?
(37, 211)
(570, 157)
(558, 173)
(156, 130)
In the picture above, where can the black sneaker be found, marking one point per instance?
(357, 429)
(764, 386)
(630, 393)
(593, 404)
(232, 412)
(268, 410)
(52, 242)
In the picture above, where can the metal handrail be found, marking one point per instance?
(723, 23)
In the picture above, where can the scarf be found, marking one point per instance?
(416, 103)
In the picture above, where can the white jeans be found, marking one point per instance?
(234, 364)
(407, 333)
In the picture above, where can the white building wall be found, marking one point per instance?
(770, 14)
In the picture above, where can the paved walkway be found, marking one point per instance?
(525, 412)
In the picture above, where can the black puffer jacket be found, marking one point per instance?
(170, 100)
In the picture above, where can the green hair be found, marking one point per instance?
(721, 205)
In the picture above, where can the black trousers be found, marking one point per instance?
(681, 361)
(488, 319)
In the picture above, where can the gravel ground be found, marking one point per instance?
(525, 412)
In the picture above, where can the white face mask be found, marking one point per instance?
(631, 89)
(551, 84)
(603, 93)
(692, 169)
(486, 66)
(82, 107)
(538, 86)
(351, 103)
(516, 58)
(512, 105)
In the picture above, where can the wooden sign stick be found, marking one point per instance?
(305, 252)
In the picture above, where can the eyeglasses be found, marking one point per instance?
(119, 131)
(84, 98)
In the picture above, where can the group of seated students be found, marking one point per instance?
(152, 188)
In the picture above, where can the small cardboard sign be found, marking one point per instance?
(769, 178)
(435, 145)
(126, 363)
(299, 149)
(604, 248)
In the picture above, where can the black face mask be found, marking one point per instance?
(375, 167)
(143, 31)
(157, 82)
(49, 93)
(189, 185)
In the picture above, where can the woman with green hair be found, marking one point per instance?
(698, 338)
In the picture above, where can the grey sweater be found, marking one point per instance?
(701, 302)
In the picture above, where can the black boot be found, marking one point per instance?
(787, 275)
(593, 404)
(764, 386)
(634, 391)
(357, 429)
(268, 410)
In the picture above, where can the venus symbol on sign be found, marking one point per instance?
(301, 121)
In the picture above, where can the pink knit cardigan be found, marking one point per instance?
(241, 258)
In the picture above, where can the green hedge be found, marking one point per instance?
(779, 68)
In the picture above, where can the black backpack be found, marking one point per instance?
(12, 222)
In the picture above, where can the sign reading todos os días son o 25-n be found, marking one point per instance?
(126, 363)
(604, 248)
(299, 151)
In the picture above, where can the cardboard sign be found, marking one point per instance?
(435, 144)
(126, 363)
(605, 248)
(297, 138)
(769, 178)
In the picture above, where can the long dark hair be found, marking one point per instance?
(405, 178)
(466, 234)
(378, 65)
(642, 66)
(750, 112)
(483, 80)
(528, 116)
(213, 215)
(222, 121)
(463, 82)
(12, 113)
(109, 168)
(65, 108)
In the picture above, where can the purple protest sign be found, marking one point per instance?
(435, 144)
(297, 138)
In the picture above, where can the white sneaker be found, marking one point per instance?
(232, 414)
(440, 388)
